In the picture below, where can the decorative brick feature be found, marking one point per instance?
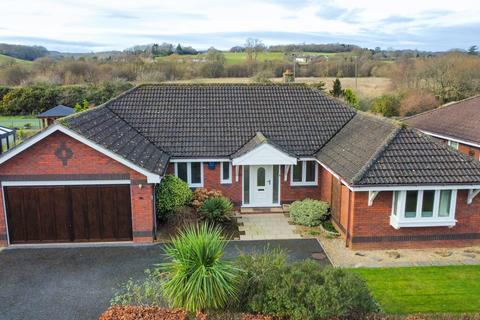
(64, 153)
(40, 162)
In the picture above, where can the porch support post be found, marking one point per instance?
(286, 169)
(237, 169)
(371, 196)
(472, 193)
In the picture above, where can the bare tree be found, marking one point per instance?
(253, 47)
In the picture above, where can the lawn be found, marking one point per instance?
(19, 121)
(448, 289)
(5, 59)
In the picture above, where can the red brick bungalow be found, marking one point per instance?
(91, 176)
(455, 124)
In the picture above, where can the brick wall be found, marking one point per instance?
(466, 149)
(40, 161)
(233, 190)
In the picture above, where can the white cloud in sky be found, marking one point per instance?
(84, 25)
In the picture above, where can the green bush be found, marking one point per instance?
(216, 209)
(387, 105)
(309, 212)
(171, 194)
(303, 290)
(197, 279)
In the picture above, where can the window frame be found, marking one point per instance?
(398, 219)
(453, 144)
(304, 174)
(222, 178)
(189, 174)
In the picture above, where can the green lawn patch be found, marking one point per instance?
(6, 59)
(19, 121)
(409, 290)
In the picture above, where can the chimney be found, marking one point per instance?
(288, 76)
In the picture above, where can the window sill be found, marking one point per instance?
(197, 185)
(226, 182)
(417, 223)
(303, 184)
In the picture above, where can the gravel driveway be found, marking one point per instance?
(77, 283)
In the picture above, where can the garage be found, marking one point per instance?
(68, 213)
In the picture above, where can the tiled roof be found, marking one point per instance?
(216, 120)
(58, 111)
(254, 142)
(358, 143)
(105, 128)
(459, 120)
(412, 157)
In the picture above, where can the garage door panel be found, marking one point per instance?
(124, 218)
(68, 213)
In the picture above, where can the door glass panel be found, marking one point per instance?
(275, 183)
(411, 204)
(182, 171)
(261, 177)
(297, 172)
(196, 172)
(427, 203)
(310, 171)
(444, 207)
(246, 184)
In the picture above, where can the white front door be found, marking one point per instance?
(261, 186)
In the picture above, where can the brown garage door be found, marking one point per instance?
(68, 213)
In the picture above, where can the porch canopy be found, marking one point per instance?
(260, 151)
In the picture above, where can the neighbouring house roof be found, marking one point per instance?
(105, 128)
(460, 120)
(151, 123)
(57, 112)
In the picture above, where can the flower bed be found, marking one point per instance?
(143, 313)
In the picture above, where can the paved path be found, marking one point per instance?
(261, 226)
(78, 283)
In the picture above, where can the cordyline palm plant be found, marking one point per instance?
(197, 278)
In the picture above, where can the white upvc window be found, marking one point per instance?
(190, 172)
(423, 208)
(304, 173)
(225, 172)
(453, 144)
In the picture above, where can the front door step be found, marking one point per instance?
(261, 210)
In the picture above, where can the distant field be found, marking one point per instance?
(366, 87)
(239, 57)
(6, 59)
(19, 121)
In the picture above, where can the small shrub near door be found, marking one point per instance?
(216, 209)
(309, 212)
(171, 194)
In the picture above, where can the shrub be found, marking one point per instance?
(143, 313)
(144, 293)
(202, 194)
(171, 194)
(216, 209)
(387, 105)
(197, 278)
(301, 291)
(351, 98)
(309, 212)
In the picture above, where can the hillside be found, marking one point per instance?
(6, 59)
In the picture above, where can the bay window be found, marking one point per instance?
(190, 172)
(423, 208)
(304, 173)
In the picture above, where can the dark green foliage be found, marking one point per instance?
(301, 291)
(23, 52)
(387, 105)
(197, 278)
(337, 88)
(171, 194)
(216, 209)
(39, 98)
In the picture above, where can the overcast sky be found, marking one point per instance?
(96, 25)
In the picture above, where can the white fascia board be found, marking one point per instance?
(333, 173)
(151, 177)
(265, 154)
(417, 187)
(173, 160)
(451, 138)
